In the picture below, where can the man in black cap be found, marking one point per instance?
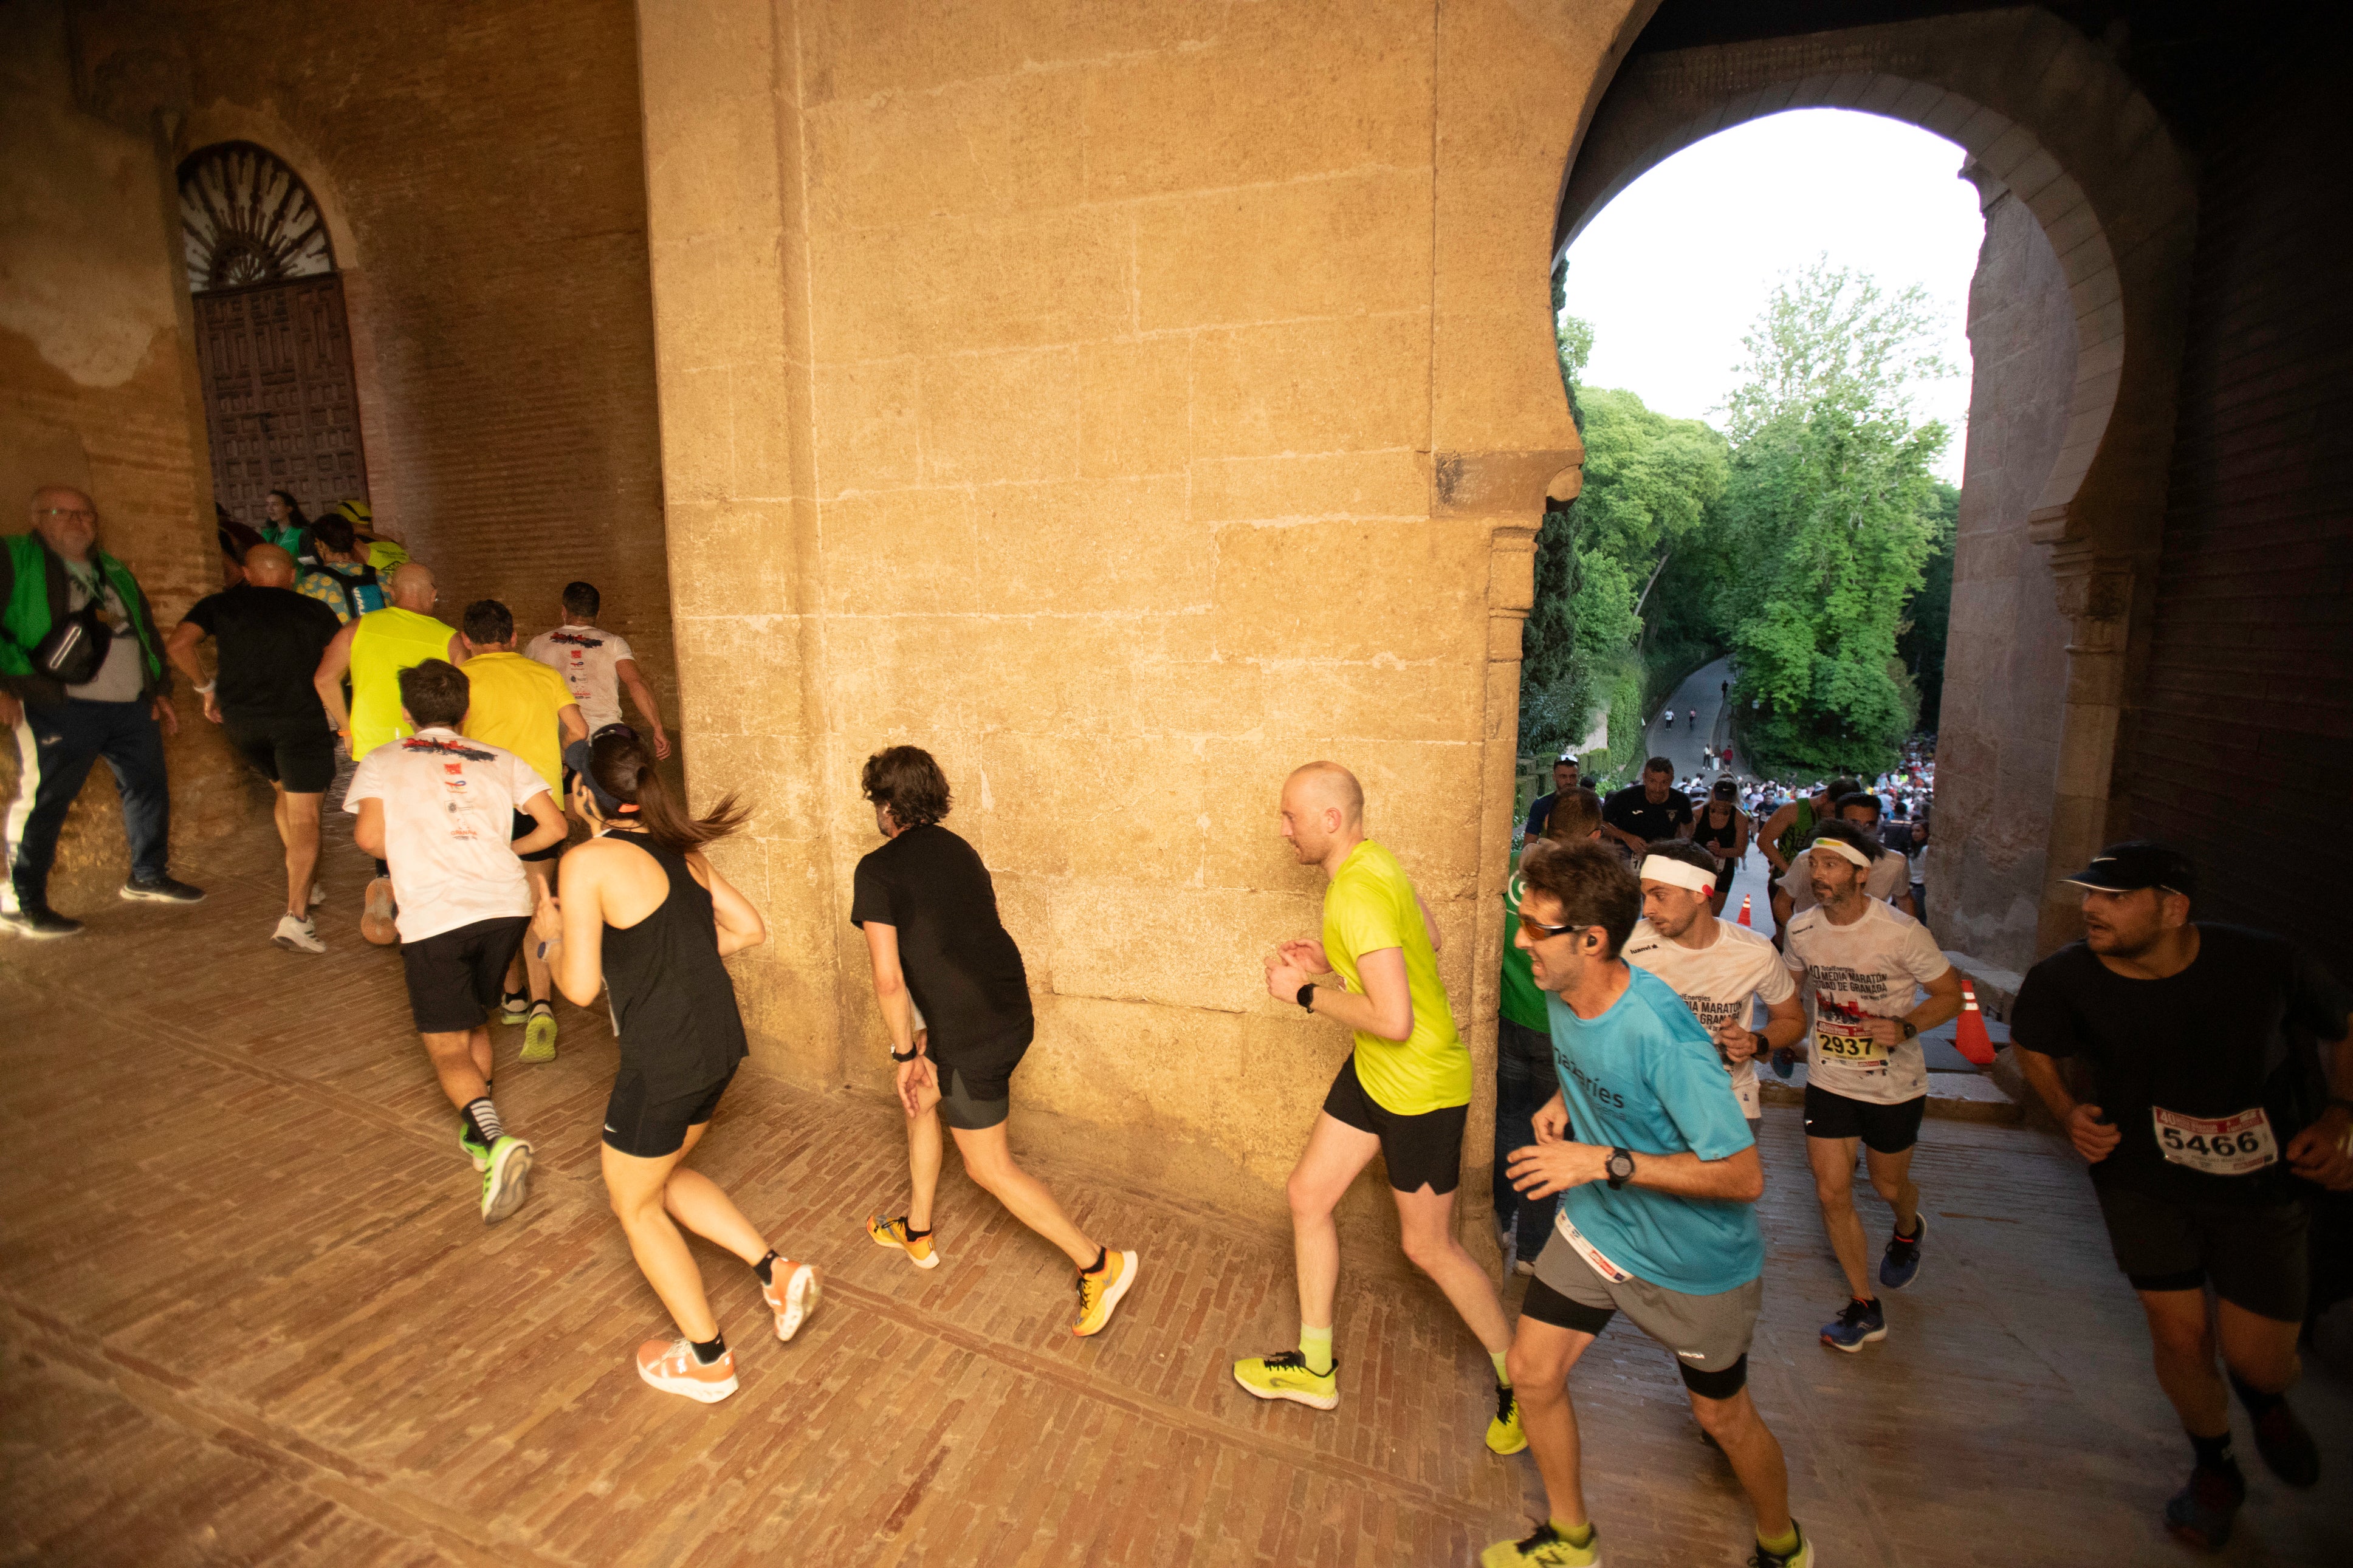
(2210, 1120)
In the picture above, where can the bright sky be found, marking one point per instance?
(1673, 271)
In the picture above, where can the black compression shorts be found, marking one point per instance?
(1424, 1151)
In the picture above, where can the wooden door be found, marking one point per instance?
(279, 407)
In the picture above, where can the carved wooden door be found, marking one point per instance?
(279, 404)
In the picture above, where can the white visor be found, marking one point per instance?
(1676, 874)
(1844, 851)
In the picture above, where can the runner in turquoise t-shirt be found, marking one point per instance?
(1654, 1220)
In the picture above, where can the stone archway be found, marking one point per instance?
(2047, 116)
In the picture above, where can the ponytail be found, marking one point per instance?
(626, 774)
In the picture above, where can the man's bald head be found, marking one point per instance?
(411, 587)
(267, 567)
(1322, 785)
(67, 519)
(1323, 810)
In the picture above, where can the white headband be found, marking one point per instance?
(1676, 873)
(1838, 846)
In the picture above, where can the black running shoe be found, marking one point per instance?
(162, 890)
(2287, 1448)
(39, 921)
(2200, 1514)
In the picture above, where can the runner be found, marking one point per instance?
(521, 706)
(644, 914)
(1565, 778)
(1861, 962)
(268, 640)
(929, 911)
(595, 664)
(1721, 828)
(1890, 874)
(441, 808)
(1404, 1093)
(1714, 966)
(1655, 1213)
(1642, 812)
(2209, 1123)
(1784, 838)
(373, 650)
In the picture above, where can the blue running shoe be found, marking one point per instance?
(1900, 1264)
(1857, 1326)
(1783, 1062)
(2200, 1514)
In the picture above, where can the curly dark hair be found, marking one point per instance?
(906, 780)
(1591, 884)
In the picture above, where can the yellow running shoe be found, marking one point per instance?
(893, 1233)
(1286, 1376)
(1099, 1293)
(1545, 1549)
(1503, 1434)
(539, 1034)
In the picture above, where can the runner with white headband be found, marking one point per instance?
(1717, 968)
(1863, 964)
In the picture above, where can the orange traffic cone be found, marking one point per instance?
(1744, 921)
(1969, 1033)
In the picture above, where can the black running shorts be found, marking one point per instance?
(973, 1104)
(1424, 1151)
(299, 758)
(1888, 1129)
(2256, 1254)
(524, 825)
(455, 978)
(652, 1129)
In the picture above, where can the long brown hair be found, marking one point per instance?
(626, 773)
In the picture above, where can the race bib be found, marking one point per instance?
(1593, 1255)
(2231, 1147)
(1860, 1049)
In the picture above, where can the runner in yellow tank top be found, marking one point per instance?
(373, 650)
(1404, 1092)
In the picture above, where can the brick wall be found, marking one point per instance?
(2245, 726)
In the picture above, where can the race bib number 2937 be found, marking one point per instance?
(2232, 1146)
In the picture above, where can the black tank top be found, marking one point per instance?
(673, 1006)
(1722, 840)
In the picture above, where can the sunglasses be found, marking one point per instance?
(1554, 930)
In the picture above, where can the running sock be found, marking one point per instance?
(765, 1267)
(1915, 1236)
(485, 1118)
(2259, 1404)
(2213, 1453)
(705, 1352)
(1780, 1546)
(1103, 1256)
(912, 1233)
(1315, 1345)
(1503, 1378)
(1578, 1535)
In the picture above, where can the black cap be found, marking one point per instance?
(1726, 789)
(2139, 863)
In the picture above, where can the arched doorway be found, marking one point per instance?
(273, 349)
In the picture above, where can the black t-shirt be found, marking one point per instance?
(2230, 1035)
(269, 640)
(1631, 809)
(961, 963)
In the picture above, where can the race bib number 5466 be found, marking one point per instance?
(2231, 1147)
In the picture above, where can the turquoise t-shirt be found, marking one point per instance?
(1644, 1076)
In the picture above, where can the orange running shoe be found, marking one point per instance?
(893, 1233)
(791, 1293)
(672, 1367)
(1099, 1293)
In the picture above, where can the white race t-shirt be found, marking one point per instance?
(585, 657)
(1715, 983)
(1871, 969)
(449, 806)
(1890, 876)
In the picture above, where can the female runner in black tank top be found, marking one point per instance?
(1727, 839)
(642, 914)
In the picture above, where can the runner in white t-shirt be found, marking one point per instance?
(595, 664)
(1714, 966)
(1890, 877)
(1861, 964)
(442, 809)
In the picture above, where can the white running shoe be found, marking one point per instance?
(298, 933)
(317, 894)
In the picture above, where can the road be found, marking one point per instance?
(1702, 689)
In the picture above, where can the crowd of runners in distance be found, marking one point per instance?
(2201, 1070)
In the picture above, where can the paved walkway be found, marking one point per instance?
(1701, 689)
(248, 1315)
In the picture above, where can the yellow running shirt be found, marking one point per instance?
(1370, 906)
(386, 642)
(512, 704)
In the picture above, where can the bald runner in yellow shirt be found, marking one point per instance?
(1404, 1092)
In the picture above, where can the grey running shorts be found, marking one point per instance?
(1707, 1333)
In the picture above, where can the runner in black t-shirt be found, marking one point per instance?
(1642, 812)
(269, 638)
(2209, 1123)
(929, 911)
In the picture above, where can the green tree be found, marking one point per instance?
(1920, 641)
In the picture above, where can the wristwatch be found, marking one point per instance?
(1621, 1166)
(1306, 997)
(910, 1056)
(1911, 1029)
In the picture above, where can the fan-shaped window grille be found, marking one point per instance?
(248, 219)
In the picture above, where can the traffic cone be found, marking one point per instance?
(1744, 921)
(1969, 1033)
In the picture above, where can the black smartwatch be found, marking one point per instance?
(1911, 1029)
(910, 1056)
(1621, 1167)
(1306, 997)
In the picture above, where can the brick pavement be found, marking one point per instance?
(249, 1316)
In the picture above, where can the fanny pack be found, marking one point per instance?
(76, 645)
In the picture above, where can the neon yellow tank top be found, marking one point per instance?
(387, 642)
